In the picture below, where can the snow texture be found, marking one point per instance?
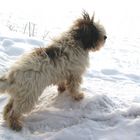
(111, 107)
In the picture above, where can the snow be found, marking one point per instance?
(111, 107)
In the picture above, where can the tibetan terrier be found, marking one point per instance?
(61, 63)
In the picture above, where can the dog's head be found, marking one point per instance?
(92, 35)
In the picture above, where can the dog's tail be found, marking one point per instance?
(3, 84)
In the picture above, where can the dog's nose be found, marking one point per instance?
(105, 37)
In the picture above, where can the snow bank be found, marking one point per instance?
(110, 109)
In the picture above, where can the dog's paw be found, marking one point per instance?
(61, 89)
(15, 125)
(78, 96)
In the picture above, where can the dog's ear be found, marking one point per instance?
(85, 31)
(86, 17)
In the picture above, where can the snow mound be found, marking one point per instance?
(59, 117)
(110, 109)
(9, 48)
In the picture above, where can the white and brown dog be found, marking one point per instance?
(62, 63)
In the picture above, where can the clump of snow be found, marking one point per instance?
(9, 48)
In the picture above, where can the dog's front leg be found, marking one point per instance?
(73, 85)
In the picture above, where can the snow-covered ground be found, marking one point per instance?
(111, 107)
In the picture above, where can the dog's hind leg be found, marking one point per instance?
(8, 108)
(73, 85)
(20, 106)
(13, 120)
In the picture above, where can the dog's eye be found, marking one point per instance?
(105, 37)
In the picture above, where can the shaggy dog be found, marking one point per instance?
(61, 63)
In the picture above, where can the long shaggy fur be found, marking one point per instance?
(62, 63)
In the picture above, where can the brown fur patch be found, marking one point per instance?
(54, 52)
(51, 52)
